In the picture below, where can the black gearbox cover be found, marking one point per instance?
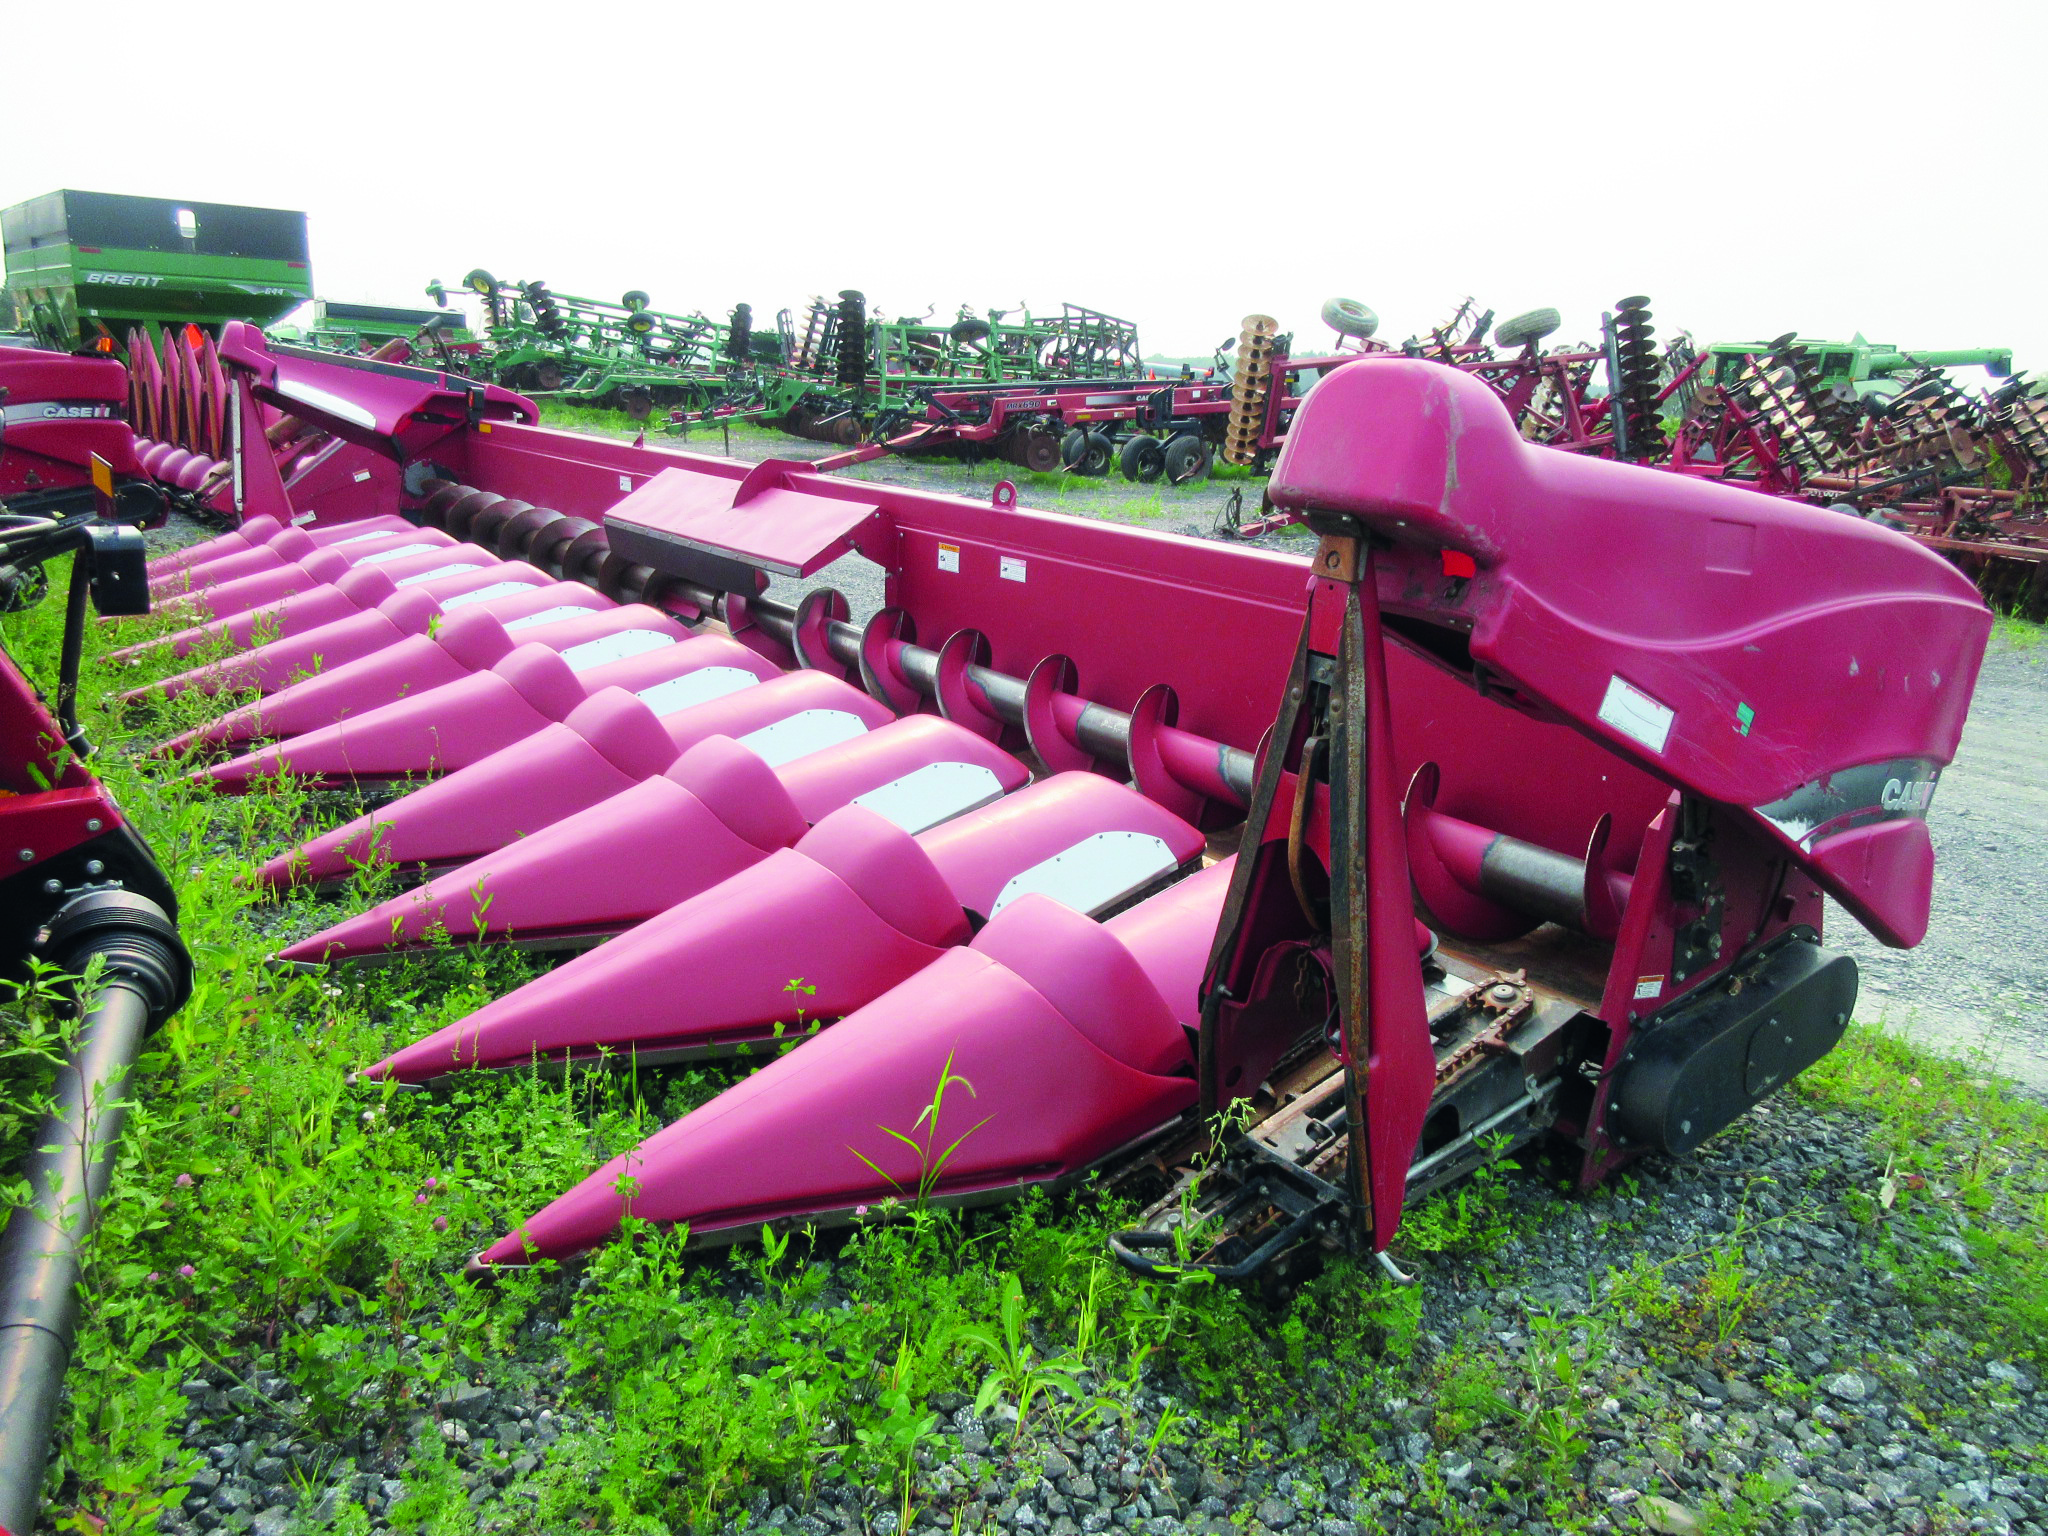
(1714, 1054)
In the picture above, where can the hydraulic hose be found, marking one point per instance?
(144, 976)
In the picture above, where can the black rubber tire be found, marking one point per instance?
(635, 300)
(1099, 454)
(1186, 459)
(1348, 317)
(480, 281)
(1142, 459)
(970, 330)
(1073, 448)
(1523, 329)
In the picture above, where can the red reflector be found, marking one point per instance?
(83, 250)
(296, 266)
(1458, 563)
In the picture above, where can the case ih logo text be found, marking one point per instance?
(1907, 794)
(56, 410)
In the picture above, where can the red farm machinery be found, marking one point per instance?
(1506, 813)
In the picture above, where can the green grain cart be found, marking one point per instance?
(83, 266)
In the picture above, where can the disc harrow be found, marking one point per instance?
(1250, 385)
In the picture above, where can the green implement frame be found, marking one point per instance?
(1867, 367)
(345, 327)
(84, 266)
(875, 366)
(627, 354)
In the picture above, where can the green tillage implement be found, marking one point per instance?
(1866, 366)
(832, 387)
(914, 354)
(549, 344)
(89, 265)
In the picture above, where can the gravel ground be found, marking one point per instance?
(1978, 982)
(1874, 1426)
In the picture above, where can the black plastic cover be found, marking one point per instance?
(1712, 1055)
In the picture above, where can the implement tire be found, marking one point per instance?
(1141, 459)
(1523, 329)
(1186, 459)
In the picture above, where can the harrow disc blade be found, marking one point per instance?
(1073, 1034)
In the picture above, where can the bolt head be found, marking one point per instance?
(93, 824)
(28, 855)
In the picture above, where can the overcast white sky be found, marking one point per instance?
(1753, 168)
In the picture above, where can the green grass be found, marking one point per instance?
(269, 1217)
(2017, 633)
(1966, 1161)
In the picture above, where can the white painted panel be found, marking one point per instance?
(438, 572)
(398, 554)
(545, 616)
(934, 793)
(485, 594)
(699, 687)
(326, 400)
(627, 642)
(1095, 873)
(801, 734)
